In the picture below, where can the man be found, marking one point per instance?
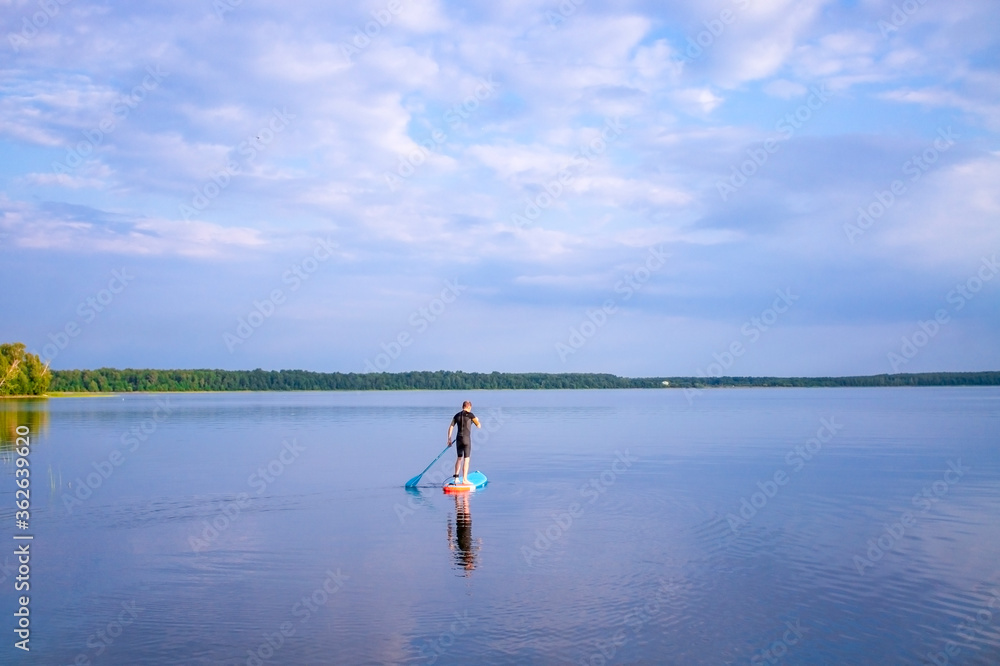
(463, 420)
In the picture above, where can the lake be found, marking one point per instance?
(755, 526)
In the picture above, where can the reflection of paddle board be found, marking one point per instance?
(476, 481)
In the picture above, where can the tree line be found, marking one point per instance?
(120, 381)
(24, 374)
(908, 379)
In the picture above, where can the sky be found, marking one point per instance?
(689, 188)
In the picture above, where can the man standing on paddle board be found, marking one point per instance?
(464, 420)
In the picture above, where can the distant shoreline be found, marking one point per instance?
(111, 381)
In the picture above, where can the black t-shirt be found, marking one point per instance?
(464, 421)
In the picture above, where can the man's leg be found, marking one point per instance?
(458, 466)
(465, 471)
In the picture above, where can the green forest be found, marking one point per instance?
(22, 373)
(120, 381)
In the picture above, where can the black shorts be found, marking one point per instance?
(463, 450)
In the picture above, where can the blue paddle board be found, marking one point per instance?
(476, 481)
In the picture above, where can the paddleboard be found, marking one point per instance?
(476, 481)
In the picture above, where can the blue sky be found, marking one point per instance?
(745, 187)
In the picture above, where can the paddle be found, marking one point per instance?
(412, 483)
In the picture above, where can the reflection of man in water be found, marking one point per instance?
(460, 537)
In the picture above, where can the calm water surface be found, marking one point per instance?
(812, 526)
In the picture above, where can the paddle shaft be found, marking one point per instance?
(415, 480)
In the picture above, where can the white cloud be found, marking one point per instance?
(50, 112)
(88, 231)
(657, 64)
(304, 62)
(419, 16)
(521, 163)
(950, 217)
(762, 39)
(91, 174)
(986, 111)
(697, 100)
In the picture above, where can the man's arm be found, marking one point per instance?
(476, 421)
(451, 426)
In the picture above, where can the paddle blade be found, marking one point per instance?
(412, 483)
